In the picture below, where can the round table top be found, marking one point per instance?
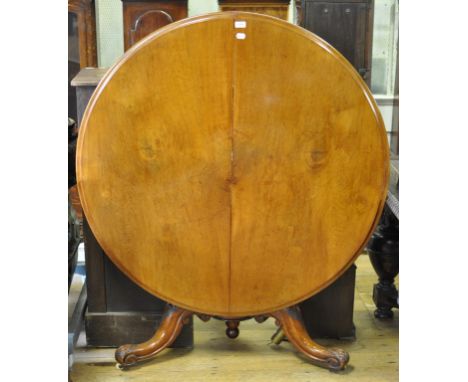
(232, 164)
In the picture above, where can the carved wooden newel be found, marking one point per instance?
(233, 165)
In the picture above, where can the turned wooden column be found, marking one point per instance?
(383, 249)
(384, 256)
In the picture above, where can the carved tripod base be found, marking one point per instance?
(171, 325)
(289, 319)
(291, 323)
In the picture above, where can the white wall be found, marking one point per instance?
(109, 31)
(384, 46)
(198, 7)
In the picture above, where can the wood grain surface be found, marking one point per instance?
(232, 176)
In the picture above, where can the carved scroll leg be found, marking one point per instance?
(291, 322)
(172, 322)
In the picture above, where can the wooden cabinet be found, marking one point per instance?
(277, 8)
(81, 44)
(347, 25)
(143, 17)
(82, 32)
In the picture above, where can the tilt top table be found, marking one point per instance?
(233, 165)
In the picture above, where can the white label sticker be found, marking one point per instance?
(240, 24)
(240, 36)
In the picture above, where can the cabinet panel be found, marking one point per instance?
(149, 22)
(345, 25)
(143, 17)
(275, 8)
(85, 21)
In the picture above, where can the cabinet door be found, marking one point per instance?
(143, 17)
(343, 25)
(148, 22)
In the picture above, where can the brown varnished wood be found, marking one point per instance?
(289, 320)
(291, 323)
(278, 8)
(374, 357)
(85, 12)
(310, 163)
(347, 25)
(255, 168)
(173, 320)
(141, 18)
(156, 106)
(232, 328)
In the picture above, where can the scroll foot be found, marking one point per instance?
(292, 325)
(172, 322)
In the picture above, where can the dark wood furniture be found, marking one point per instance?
(329, 313)
(118, 310)
(145, 16)
(81, 53)
(278, 8)
(81, 44)
(383, 249)
(347, 25)
(74, 236)
(84, 84)
(86, 22)
(257, 196)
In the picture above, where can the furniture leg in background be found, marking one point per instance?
(384, 256)
(383, 248)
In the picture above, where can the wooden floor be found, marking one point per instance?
(250, 357)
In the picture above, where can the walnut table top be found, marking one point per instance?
(232, 164)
